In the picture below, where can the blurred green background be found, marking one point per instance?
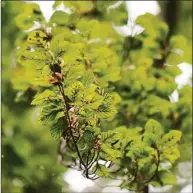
(29, 154)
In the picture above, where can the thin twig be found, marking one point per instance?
(66, 106)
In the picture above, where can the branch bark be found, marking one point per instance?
(171, 15)
(66, 110)
(146, 189)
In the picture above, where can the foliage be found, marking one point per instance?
(94, 87)
(145, 94)
(28, 152)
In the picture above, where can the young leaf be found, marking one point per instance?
(57, 128)
(152, 126)
(101, 171)
(172, 137)
(167, 178)
(41, 97)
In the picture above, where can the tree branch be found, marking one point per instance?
(66, 110)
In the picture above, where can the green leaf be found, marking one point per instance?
(110, 74)
(94, 102)
(153, 27)
(167, 178)
(107, 134)
(73, 72)
(41, 97)
(106, 112)
(105, 64)
(112, 154)
(154, 127)
(106, 109)
(88, 136)
(172, 137)
(37, 37)
(109, 137)
(79, 6)
(178, 46)
(75, 91)
(88, 77)
(60, 18)
(152, 140)
(101, 171)
(49, 112)
(59, 47)
(57, 128)
(95, 130)
(36, 59)
(177, 42)
(175, 58)
(23, 22)
(156, 183)
(31, 13)
(60, 115)
(121, 14)
(170, 154)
